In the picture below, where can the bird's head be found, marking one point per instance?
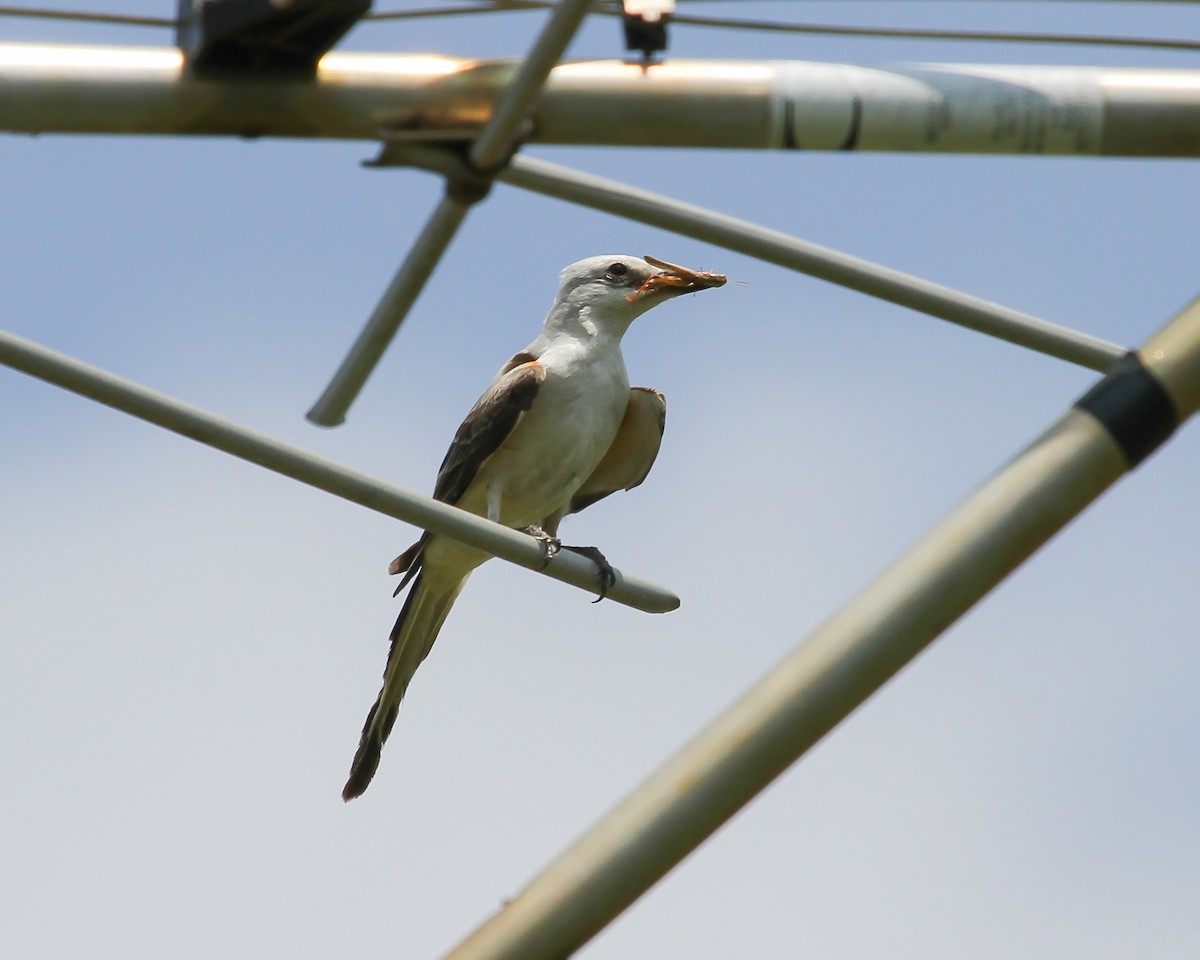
(609, 291)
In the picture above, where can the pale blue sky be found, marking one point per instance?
(189, 645)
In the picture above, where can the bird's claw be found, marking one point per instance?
(550, 545)
(608, 575)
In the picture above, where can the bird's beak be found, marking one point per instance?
(675, 280)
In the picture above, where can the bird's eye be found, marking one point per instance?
(616, 271)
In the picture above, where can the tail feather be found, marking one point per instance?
(424, 611)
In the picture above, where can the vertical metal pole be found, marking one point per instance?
(330, 408)
(495, 139)
(490, 148)
(1111, 429)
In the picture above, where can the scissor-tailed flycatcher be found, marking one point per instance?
(558, 429)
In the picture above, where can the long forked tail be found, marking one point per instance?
(416, 628)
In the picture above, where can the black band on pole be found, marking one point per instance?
(1134, 408)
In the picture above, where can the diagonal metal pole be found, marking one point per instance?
(1111, 429)
(203, 427)
(330, 408)
(490, 148)
(779, 248)
(496, 139)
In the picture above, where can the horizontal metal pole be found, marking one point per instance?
(784, 250)
(841, 664)
(330, 408)
(203, 427)
(694, 103)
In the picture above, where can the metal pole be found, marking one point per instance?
(786, 251)
(424, 256)
(1112, 428)
(496, 138)
(204, 427)
(494, 141)
(744, 104)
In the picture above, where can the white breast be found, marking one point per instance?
(563, 436)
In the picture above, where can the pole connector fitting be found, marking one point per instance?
(467, 187)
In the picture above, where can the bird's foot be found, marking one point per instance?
(608, 576)
(550, 545)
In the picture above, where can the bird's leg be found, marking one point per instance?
(550, 545)
(608, 576)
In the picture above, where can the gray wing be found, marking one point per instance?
(488, 425)
(629, 458)
(485, 428)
